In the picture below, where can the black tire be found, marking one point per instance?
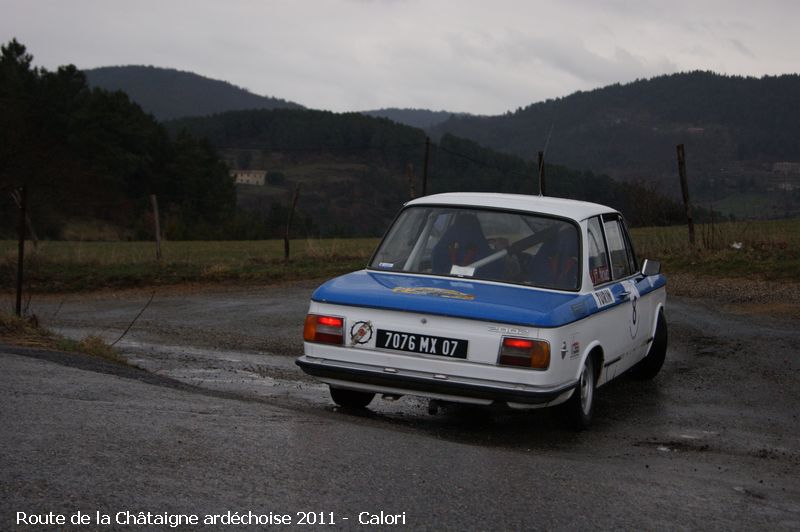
(351, 398)
(650, 365)
(580, 407)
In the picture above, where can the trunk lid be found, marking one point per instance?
(456, 298)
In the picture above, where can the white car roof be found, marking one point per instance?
(566, 208)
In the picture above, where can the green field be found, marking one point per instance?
(196, 252)
(71, 266)
(769, 250)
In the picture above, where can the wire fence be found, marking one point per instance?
(776, 197)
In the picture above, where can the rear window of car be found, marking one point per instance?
(512, 247)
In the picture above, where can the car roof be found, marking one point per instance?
(565, 208)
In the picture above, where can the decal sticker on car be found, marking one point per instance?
(361, 332)
(633, 296)
(510, 330)
(575, 346)
(603, 298)
(462, 271)
(600, 275)
(439, 292)
(576, 350)
(579, 309)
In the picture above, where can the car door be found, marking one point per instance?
(634, 315)
(606, 322)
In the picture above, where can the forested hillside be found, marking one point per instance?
(421, 118)
(167, 93)
(735, 129)
(356, 171)
(89, 155)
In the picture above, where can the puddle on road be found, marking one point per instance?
(276, 378)
(249, 373)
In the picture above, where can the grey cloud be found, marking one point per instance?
(744, 50)
(575, 59)
(466, 55)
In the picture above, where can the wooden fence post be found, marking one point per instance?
(412, 190)
(31, 230)
(23, 202)
(156, 224)
(685, 191)
(542, 188)
(425, 166)
(289, 223)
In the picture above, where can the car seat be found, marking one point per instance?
(461, 244)
(556, 264)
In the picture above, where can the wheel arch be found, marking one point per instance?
(659, 310)
(594, 350)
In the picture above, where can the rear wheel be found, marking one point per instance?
(351, 398)
(580, 407)
(650, 365)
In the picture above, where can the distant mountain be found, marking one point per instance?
(419, 118)
(166, 93)
(742, 135)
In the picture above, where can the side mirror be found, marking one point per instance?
(651, 267)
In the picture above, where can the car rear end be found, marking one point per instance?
(435, 356)
(469, 297)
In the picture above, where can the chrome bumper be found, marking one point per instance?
(392, 380)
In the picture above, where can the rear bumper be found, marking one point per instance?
(388, 380)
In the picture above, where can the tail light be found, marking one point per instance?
(324, 329)
(524, 352)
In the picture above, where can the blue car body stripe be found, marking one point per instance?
(469, 299)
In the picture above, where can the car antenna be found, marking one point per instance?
(541, 160)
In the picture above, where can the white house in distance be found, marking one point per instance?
(249, 177)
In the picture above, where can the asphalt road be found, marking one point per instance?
(220, 420)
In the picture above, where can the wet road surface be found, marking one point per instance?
(712, 442)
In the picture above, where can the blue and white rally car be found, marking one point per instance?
(491, 298)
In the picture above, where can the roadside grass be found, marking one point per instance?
(91, 345)
(25, 332)
(61, 266)
(755, 250)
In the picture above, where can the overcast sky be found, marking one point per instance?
(474, 56)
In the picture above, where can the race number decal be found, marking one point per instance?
(633, 296)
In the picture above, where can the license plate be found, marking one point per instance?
(422, 343)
